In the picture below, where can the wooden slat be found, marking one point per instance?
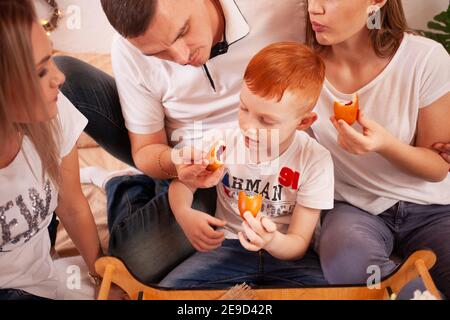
(404, 274)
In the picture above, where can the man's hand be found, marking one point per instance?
(444, 151)
(259, 232)
(199, 229)
(191, 167)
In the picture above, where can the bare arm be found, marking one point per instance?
(151, 152)
(295, 243)
(422, 160)
(75, 213)
(199, 227)
(180, 198)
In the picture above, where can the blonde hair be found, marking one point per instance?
(386, 40)
(20, 88)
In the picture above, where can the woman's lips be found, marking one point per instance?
(317, 27)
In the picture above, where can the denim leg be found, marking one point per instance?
(19, 295)
(128, 194)
(144, 233)
(231, 264)
(94, 94)
(305, 272)
(222, 268)
(352, 240)
(428, 227)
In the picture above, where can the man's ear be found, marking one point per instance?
(307, 121)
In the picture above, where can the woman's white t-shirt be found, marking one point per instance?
(417, 76)
(27, 204)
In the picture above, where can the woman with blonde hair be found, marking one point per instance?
(392, 187)
(39, 171)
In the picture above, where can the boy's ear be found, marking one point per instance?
(307, 121)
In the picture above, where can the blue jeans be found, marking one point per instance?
(352, 239)
(14, 294)
(94, 93)
(143, 230)
(231, 264)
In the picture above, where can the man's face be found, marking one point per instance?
(181, 31)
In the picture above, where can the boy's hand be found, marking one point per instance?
(444, 151)
(199, 229)
(259, 232)
(373, 139)
(191, 168)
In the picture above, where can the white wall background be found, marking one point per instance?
(95, 33)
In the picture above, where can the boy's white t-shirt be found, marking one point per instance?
(417, 76)
(303, 175)
(27, 204)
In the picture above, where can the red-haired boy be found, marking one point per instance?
(294, 175)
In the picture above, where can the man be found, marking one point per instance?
(176, 62)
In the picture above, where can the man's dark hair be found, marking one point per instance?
(130, 18)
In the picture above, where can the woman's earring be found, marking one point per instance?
(373, 17)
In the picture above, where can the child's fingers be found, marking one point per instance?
(215, 222)
(251, 235)
(247, 245)
(208, 232)
(268, 225)
(253, 223)
(211, 241)
(202, 246)
(213, 235)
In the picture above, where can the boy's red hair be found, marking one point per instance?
(285, 66)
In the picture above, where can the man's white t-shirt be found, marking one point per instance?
(27, 204)
(157, 94)
(417, 76)
(302, 175)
